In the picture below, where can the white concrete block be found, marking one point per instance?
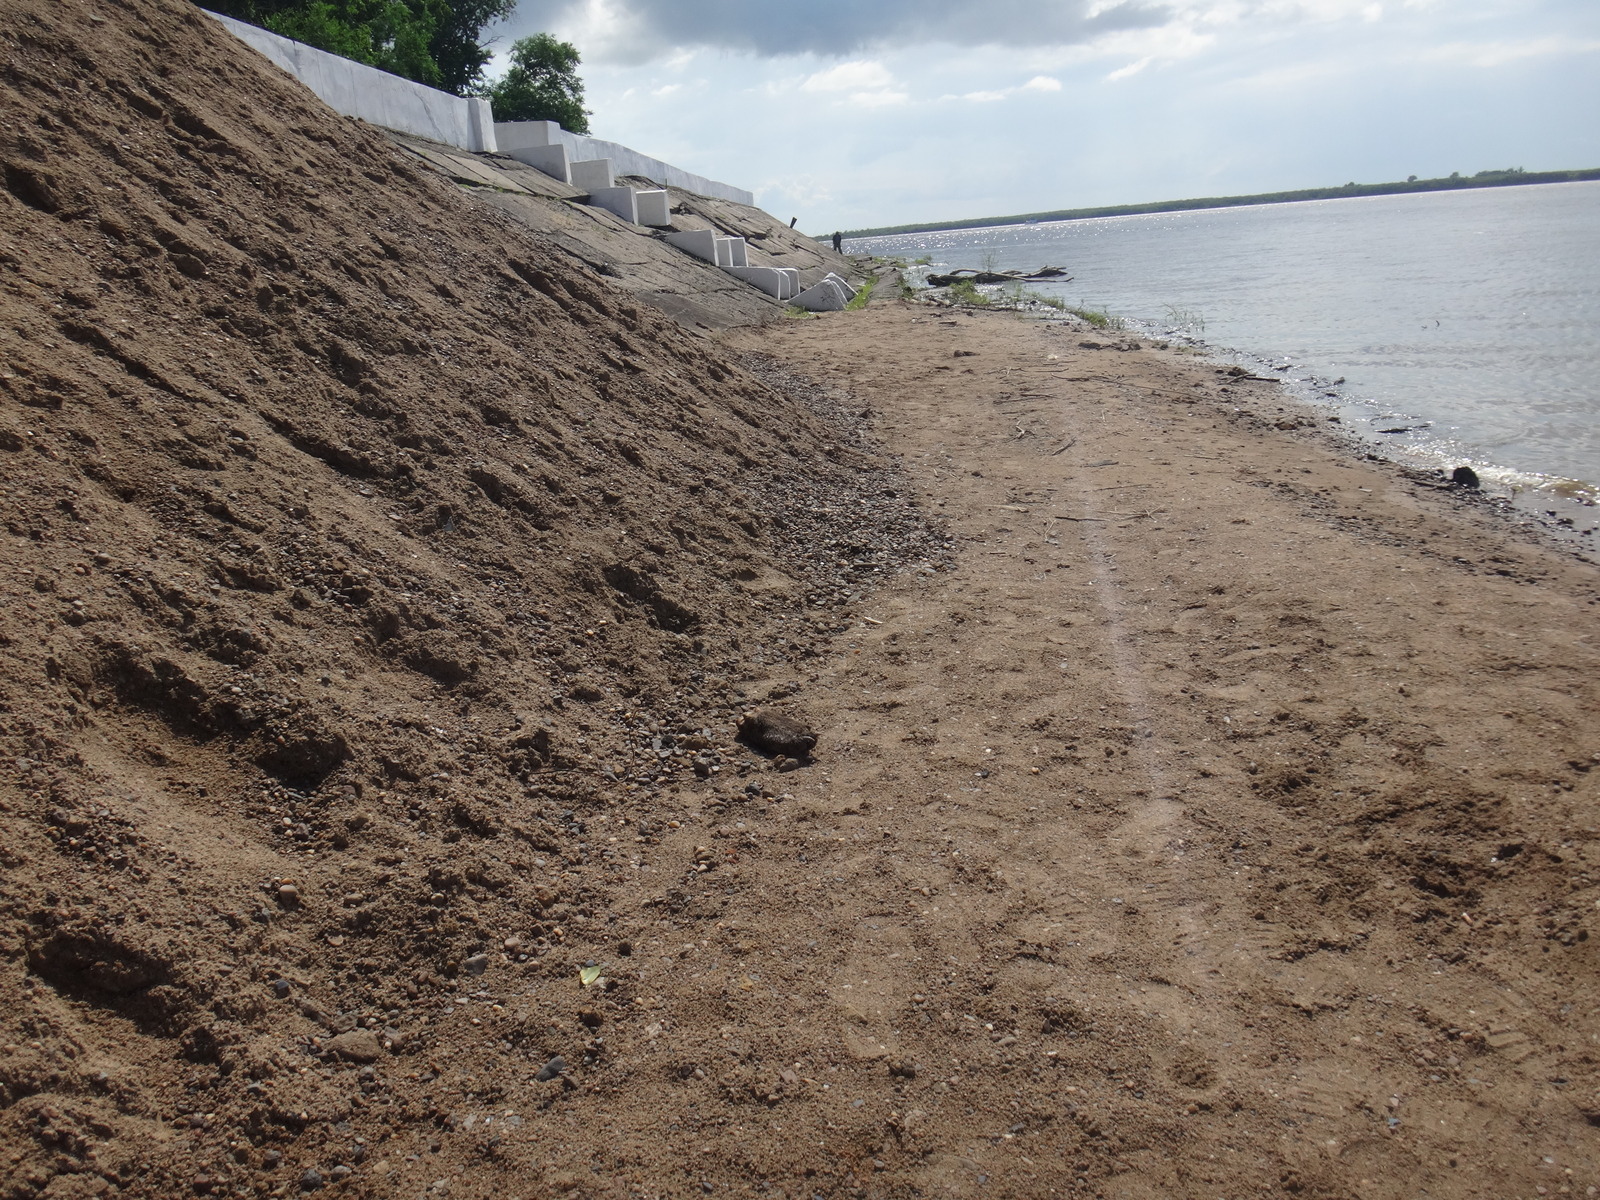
(592, 174)
(655, 207)
(617, 200)
(826, 296)
(480, 125)
(524, 135)
(702, 243)
(792, 274)
(731, 252)
(552, 160)
(769, 279)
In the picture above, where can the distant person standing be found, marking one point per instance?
(838, 242)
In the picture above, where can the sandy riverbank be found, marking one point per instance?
(1251, 787)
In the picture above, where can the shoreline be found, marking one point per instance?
(1573, 499)
(1562, 508)
(1205, 203)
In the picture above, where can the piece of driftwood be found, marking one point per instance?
(974, 275)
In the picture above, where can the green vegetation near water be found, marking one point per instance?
(1512, 177)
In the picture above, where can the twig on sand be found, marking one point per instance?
(1071, 442)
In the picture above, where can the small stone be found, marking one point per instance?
(280, 988)
(477, 964)
(591, 1018)
(553, 1069)
(902, 1070)
(358, 1045)
(1464, 477)
(310, 1179)
(777, 733)
(288, 895)
(271, 1159)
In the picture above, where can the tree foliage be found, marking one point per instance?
(436, 42)
(541, 84)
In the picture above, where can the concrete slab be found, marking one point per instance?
(552, 160)
(769, 279)
(593, 174)
(620, 201)
(702, 243)
(517, 135)
(526, 135)
(738, 252)
(655, 207)
(792, 274)
(826, 296)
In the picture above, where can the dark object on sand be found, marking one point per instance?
(553, 1069)
(976, 276)
(1465, 476)
(773, 732)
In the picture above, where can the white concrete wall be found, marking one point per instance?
(512, 135)
(357, 90)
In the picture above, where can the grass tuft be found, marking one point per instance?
(964, 291)
(1097, 317)
(864, 297)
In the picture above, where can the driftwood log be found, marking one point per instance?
(977, 276)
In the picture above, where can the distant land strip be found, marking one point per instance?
(1483, 179)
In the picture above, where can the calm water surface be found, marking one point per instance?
(1473, 315)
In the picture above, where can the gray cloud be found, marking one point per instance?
(833, 28)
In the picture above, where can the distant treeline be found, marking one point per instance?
(1511, 177)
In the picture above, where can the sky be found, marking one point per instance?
(851, 114)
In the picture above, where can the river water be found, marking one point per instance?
(1471, 318)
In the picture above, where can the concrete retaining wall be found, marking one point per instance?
(357, 90)
(514, 135)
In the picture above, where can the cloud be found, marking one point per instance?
(641, 30)
(1042, 83)
(869, 84)
(849, 76)
(1497, 54)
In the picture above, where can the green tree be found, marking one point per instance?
(541, 84)
(457, 45)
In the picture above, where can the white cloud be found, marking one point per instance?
(985, 97)
(1132, 68)
(667, 90)
(1497, 54)
(850, 77)
(878, 99)
(1042, 83)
